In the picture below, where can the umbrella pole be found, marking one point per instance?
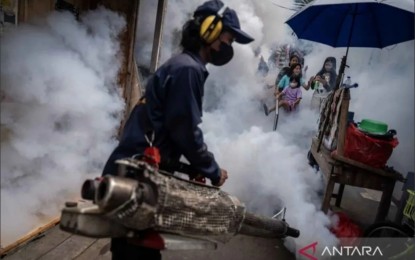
(344, 59)
(339, 79)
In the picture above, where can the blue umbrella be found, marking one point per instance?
(355, 23)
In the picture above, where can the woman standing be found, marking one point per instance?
(323, 83)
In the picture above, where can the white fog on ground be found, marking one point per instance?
(61, 111)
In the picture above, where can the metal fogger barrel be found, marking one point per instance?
(146, 198)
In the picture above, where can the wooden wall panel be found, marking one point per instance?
(30, 9)
(129, 8)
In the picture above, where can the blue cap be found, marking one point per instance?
(229, 19)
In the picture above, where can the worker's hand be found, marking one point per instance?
(223, 177)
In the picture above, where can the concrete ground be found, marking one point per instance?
(361, 205)
(239, 248)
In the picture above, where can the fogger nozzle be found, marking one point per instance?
(113, 191)
(89, 189)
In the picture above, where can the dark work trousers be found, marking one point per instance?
(122, 250)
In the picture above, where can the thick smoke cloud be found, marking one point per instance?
(61, 110)
(267, 170)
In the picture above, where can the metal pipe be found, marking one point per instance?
(134, 204)
(158, 34)
(89, 189)
(114, 191)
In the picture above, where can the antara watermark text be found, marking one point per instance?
(309, 251)
(352, 251)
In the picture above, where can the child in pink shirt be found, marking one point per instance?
(291, 96)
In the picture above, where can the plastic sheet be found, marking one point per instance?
(368, 150)
(347, 231)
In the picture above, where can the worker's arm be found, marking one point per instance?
(183, 113)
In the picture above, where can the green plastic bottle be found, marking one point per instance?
(314, 85)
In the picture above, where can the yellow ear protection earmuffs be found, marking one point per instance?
(211, 27)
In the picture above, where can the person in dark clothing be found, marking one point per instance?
(173, 105)
(262, 67)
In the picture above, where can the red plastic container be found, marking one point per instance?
(368, 150)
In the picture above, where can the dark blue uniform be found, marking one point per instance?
(173, 110)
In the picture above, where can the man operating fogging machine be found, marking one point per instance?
(172, 108)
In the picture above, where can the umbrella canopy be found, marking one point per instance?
(355, 23)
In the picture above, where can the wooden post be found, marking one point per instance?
(132, 74)
(158, 34)
(385, 200)
(23, 12)
(127, 39)
(329, 191)
(339, 195)
(344, 109)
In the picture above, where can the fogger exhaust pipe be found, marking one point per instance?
(89, 189)
(114, 191)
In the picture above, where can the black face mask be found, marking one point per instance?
(222, 56)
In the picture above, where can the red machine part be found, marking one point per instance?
(149, 239)
(152, 156)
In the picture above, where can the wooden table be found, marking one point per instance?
(338, 169)
(342, 170)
